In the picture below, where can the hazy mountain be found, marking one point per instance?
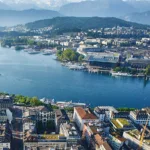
(72, 23)
(143, 17)
(140, 5)
(102, 8)
(12, 17)
(4, 6)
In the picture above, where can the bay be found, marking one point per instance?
(43, 76)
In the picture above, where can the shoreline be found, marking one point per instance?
(79, 67)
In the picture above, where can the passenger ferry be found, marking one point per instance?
(120, 74)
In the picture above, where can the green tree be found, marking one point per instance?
(117, 69)
(147, 71)
(80, 58)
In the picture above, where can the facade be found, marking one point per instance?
(5, 102)
(44, 114)
(138, 63)
(122, 114)
(5, 137)
(140, 116)
(104, 60)
(82, 116)
(105, 112)
(3, 116)
(44, 142)
(40, 113)
(60, 117)
(116, 142)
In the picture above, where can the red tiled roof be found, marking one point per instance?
(85, 114)
(106, 145)
(98, 139)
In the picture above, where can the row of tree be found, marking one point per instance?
(30, 101)
(127, 70)
(133, 70)
(69, 55)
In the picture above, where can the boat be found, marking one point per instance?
(47, 53)
(33, 52)
(120, 74)
(76, 67)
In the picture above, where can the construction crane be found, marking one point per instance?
(142, 136)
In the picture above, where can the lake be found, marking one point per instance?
(43, 76)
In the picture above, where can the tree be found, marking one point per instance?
(30, 42)
(69, 55)
(117, 69)
(80, 58)
(147, 71)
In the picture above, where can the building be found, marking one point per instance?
(104, 112)
(40, 114)
(3, 116)
(116, 141)
(82, 116)
(44, 142)
(70, 132)
(140, 116)
(104, 60)
(90, 130)
(121, 124)
(5, 137)
(60, 118)
(133, 139)
(138, 63)
(121, 114)
(44, 114)
(5, 102)
(100, 144)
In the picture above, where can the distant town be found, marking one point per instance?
(119, 51)
(29, 123)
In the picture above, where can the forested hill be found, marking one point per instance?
(83, 23)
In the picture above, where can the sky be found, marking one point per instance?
(39, 2)
(22, 4)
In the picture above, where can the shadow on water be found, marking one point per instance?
(145, 82)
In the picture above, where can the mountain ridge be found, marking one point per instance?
(15, 17)
(143, 17)
(83, 23)
(100, 8)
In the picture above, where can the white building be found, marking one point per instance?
(82, 116)
(105, 112)
(140, 116)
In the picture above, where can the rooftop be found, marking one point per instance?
(120, 123)
(85, 114)
(124, 121)
(103, 57)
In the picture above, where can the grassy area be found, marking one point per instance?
(124, 122)
(50, 137)
(115, 123)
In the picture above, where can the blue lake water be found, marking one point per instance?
(42, 76)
